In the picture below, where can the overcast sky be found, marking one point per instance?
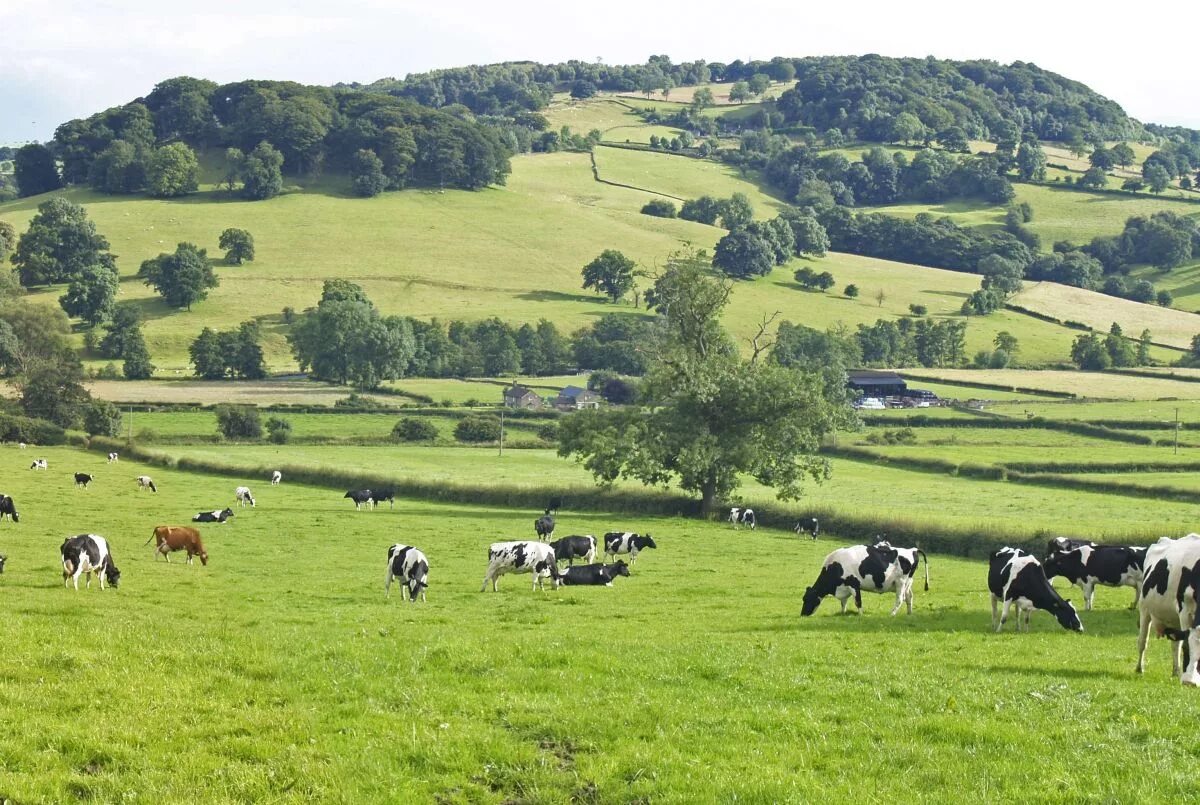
(73, 57)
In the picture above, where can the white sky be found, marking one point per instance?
(73, 57)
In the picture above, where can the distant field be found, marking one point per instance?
(720, 92)
(683, 177)
(1084, 384)
(1183, 282)
(1098, 311)
(1152, 410)
(210, 392)
(949, 391)
(1019, 451)
(485, 392)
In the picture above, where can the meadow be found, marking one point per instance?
(1166, 325)
(288, 676)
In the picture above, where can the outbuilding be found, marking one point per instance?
(876, 383)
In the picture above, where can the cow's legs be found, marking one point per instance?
(908, 596)
(1137, 595)
(1143, 635)
(1004, 616)
(1089, 593)
(1176, 655)
(899, 599)
(995, 613)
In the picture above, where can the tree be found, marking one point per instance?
(743, 255)
(659, 208)
(851, 291)
(1031, 161)
(1102, 158)
(92, 294)
(1120, 351)
(1156, 176)
(102, 418)
(173, 171)
(137, 365)
(880, 298)
(8, 241)
(610, 274)
(758, 83)
(739, 92)
(1007, 342)
(53, 390)
(1089, 352)
(208, 360)
(119, 168)
(238, 245)
(35, 170)
(261, 172)
(702, 99)
(1093, 178)
(1123, 154)
(232, 172)
(907, 128)
(1143, 349)
(704, 210)
(706, 417)
(59, 244)
(477, 429)
(279, 430)
(183, 277)
(1002, 274)
(411, 429)
(954, 139)
(736, 212)
(366, 174)
(238, 421)
(809, 237)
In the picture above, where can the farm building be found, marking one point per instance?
(573, 398)
(876, 383)
(520, 397)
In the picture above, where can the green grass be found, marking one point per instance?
(1098, 311)
(949, 391)
(294, 680)
(1102, 385)
(683, 177)
(1152, 410)
(484, 392)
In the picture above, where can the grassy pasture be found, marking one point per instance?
(485, 392)
(1151, 410)
(1101, 385)
(1098, 311)
(275, 391)
(303, 683)
(1183, 282)
(682, 177)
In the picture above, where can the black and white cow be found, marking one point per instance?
(1016, 577)
(544, 526)
(618, 542)
(146, 482)
(361, 497)
(82, 479)
(3, 559)
(409, 565)
(39, 464)
(575, 547)
(215, 516)
(554, 505)
(383, 496)
(8, 508)
(877, 568)
(808, 525)
(741, 517)
(524, 556)
(112, 457)
(1171, 603)
(595, 574)
(276, 477)
(88, 553)
(243, 497)
(1089, 564)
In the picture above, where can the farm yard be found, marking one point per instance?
(291, 678)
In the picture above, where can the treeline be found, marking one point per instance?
(147, 145)
(885, 344)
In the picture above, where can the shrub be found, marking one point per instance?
(851, 291)
(110, 371)
(548, 432)
(102, 418)
(289, 315)
(410, 429)
(918, 310)
(279, 430)
(357, 402)
(239, 422)
(660, 208)
(477, 429)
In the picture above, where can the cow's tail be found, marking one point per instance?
(926, 558)
(153, 534)
(153, 488)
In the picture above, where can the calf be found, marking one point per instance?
(383, 495)
(8, 508)
(168, 538)
(808, 525)
(877, 568)
(215, 516)
(544, 526)
(242, 496)
(741, 517)
(276, 477)
(595, 574)
(1171, 603)
(1089, 564)
(82, 479)
(112, 457)
(88, 553)
(618, 542)
(524, 556)
(1016, 577)
(146, 482)
(361, 497)
(412, 568)
(39, 464)
(572, 548)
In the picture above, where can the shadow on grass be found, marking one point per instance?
(556, 296)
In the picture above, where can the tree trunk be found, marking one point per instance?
(708, 495)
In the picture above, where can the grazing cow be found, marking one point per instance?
(808, 525)
(525, 556)
(1089, 564)
(412, 568)
(361, 497)
(1016, 577)
(88, 553)
(243, 496)
(741, 517)
(8, 508)
(383, 495)
(572, 548)
(168, 538)
(39, 464)
(276, 477)
(877, 568)
(146, 482)
(1171, 603)
(3, 559)
(82, 479)
(22, 445)
(595, 574)
(214, 516)
(544, 526)
(554, 505)
(112, 457)
(618, 542)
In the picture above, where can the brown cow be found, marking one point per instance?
(168, 538)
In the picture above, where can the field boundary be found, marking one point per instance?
(976, 384)
(596, 176)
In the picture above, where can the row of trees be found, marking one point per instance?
(886, 343)
(1096, 353)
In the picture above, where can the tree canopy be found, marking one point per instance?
(183, 277)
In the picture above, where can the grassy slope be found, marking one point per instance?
(294, 680)
(1098, 311)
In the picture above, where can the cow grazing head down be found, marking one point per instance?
(3, 559)
(1067, 617)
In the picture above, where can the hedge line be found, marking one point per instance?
(16, 428)
(974, 384)
(1092, 429)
